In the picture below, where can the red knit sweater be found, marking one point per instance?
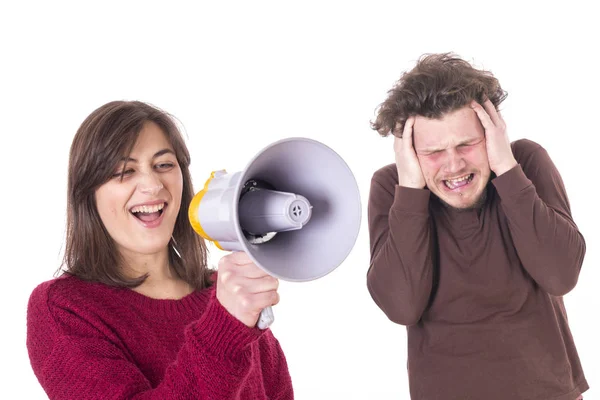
(91, 341)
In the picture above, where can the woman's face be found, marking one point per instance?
(139, 211)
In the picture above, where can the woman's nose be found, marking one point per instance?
(150, 185)
(151, 190)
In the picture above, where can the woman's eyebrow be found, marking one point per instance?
(156, 155)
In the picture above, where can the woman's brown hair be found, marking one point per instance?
(437, 85)
(106, 136)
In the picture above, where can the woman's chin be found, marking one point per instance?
(148, 247)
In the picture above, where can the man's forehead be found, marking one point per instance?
(461, 126)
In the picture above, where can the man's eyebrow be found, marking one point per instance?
(471, 140)
(462, 142)
(156, 155)
(429, 150)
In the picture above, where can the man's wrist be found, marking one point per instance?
(505, 167)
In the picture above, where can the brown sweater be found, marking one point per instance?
(480, 291)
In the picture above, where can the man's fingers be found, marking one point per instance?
(397, 144)
(485, 119)
(407, 132)
(406, 138)
(491, 111)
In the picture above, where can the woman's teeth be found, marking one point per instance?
(148, 209)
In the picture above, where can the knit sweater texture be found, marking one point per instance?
(92, 341)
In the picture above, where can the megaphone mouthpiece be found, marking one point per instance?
(262, 211)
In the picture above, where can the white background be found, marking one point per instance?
(242, 75)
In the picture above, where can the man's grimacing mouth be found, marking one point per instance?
(468, 178)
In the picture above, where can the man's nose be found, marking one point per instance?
(455, 162)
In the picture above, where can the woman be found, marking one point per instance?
(135, 314)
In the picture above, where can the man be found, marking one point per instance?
(472, 243)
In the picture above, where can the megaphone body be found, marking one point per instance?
(295, 210)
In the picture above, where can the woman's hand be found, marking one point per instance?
(244, 289)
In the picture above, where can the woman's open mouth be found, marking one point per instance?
(148, 213)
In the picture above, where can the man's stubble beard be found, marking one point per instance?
(477, 205)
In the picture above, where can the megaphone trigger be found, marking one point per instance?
(266, 318)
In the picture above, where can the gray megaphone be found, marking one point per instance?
(295, 210)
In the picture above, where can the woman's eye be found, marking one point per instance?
(123, 173)
(165, 165)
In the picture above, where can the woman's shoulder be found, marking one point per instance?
(64, 287)
(68, 295)
(53, 302)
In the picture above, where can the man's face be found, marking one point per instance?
(453, 157)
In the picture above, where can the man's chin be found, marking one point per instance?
(458, 205)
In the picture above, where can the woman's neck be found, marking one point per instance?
(162, 282)
(172, 289)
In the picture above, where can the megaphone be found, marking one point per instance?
(295, 210)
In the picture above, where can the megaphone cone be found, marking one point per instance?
(295, 210)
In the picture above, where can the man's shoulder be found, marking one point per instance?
(386, 176)
(523, 148)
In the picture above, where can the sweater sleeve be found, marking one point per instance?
(534, 200)
(400, 276)
(72, 359)
(277, 380)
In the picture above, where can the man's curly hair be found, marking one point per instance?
(437, 85)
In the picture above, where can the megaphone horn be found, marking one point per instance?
(295, 210)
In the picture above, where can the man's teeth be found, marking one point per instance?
(452, 183)
(148, 209)
(457, 180)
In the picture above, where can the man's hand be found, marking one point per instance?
(407, 163)
(500, 156)
(244, 289)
